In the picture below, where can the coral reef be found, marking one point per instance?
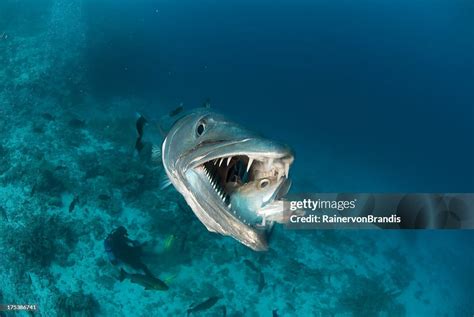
(4, 161)
(38, 241)
(77, 304)
(369, 297)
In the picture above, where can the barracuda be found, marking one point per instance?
(231, 177)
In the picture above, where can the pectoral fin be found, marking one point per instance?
(156, 153)
(164, 182)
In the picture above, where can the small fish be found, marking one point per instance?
(275, 313)
(261, 282)
(104, 197)
(73, 203)
(4, 214)
(169, 279)
(47, 116)
(208, 303)
(224, 311)
(140, 125)
(168, 242)
(251, 266)
(176, 111)
(147, 281)
(77, 123)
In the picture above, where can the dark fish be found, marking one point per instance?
(77, 123)
(104, 197)
(4, 214)
(176, 111)
(147, 281)
(208, 303)
(275, 313)
(73, 203)
(224, 311)
(48, 116)
(251, 266)
(140, 124)
(261, 282)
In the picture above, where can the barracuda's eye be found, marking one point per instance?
(263, 183)
(201, 127)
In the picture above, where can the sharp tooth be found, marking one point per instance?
(230, 205)
(215, 161)
(228, 160)
(287, 169)
(249, 164)
(220, 162)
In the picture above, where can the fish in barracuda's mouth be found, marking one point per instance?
(232, 179)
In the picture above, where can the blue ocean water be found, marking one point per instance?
(372, 96)
(380, 93)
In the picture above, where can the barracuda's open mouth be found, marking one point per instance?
(233, 179)
(257, 181)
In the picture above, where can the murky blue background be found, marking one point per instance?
(372, 96)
